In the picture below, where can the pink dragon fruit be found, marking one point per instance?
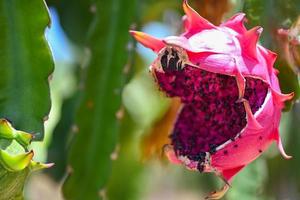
(231, 100)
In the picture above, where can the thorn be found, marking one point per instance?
(115, 153)
(126, 69)
(102, 194)
(50, 77)
(120, 113)
(69, 169)
(129, 46)
(90, 104)
(93, 8)
(45, 118)
(133, 26)
(74, 128)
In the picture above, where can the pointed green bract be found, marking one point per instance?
(97, 120)
(8, 132)
(15, 161)
(25, 64)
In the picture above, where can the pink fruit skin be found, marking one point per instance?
(233, 50)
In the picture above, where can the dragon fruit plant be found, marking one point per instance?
(230, 94)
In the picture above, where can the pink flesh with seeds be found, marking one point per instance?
(210, 115)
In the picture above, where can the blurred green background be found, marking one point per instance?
(108, 122)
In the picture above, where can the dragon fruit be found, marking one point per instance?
(231, 99)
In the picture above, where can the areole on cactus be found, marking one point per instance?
(231, 99)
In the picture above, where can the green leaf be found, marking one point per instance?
(26, 64)
(96, 120)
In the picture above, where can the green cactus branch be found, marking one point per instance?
(25, 64)
(96, 120)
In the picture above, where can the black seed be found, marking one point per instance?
(161, 84)
(164, 61)
(203, 73)
(172, 64)
(260, 138)
(174, 53)
(179, 66)
(173, 136)
(225, 152)
(178, 145)
(202, 155)
(213, 148)
(199, 157)
(235, 146)
(206, 86)
(207, 116)
(200, 167)
(192, 142)
(229, 112)
(260, 151)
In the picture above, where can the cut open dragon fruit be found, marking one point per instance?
(231, 99)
